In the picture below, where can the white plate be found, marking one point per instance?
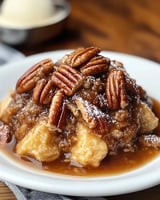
(147, 74)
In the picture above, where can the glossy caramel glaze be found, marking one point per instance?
(113, 164)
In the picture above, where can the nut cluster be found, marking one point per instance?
(53, 83)
(30, 78)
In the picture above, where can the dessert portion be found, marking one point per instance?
(79, 109)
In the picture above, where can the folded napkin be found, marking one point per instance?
(26, 194)
(8, 54)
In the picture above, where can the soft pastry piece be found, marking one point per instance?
(40, 143)
(89, 149)
(3, 106)
(148, 120)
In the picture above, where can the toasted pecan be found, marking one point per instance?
(43, 91)
(96, 65)
(38, 71)
(80, 56)
(57, 110)
(115, 90)
(68, 79)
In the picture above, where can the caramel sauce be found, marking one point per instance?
(111, 165)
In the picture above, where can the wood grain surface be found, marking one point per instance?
(118, 25)
(5, 193)
(131, 27)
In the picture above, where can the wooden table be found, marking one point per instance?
(131, 27)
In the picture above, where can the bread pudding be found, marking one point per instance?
(80, 110)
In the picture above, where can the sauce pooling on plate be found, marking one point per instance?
(112, 165)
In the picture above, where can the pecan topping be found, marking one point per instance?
(94, 117)
(43, 92)
(68, 79)
(57, 110)
(29, 79)
(5, 135)
(116, 91)
(80, 56)
(96, 65)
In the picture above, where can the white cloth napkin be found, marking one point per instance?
(26, 194)
(8, 54)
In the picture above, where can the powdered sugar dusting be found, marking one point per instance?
(91, 109)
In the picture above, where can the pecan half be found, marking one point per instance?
(94, 117)
(5, 135)
(43, 92)
(96, 65)
(116, 91)
(80, 56)
(68, 79)
(29, 79)
(57, 110)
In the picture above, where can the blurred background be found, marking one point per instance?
(116, 25)
(36, 26)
